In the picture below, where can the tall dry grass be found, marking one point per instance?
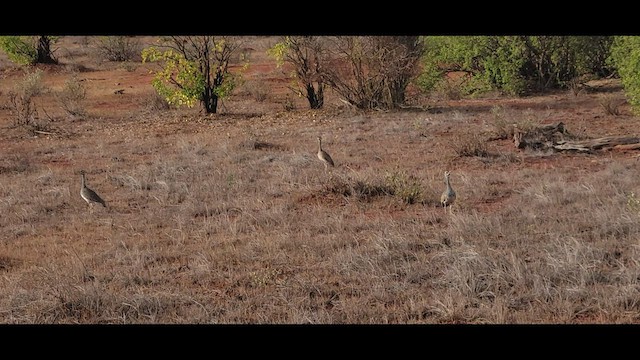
(206, 229)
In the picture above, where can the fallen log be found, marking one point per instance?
(597, 144)
(556, 137)
(627, 147)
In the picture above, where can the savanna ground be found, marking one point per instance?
(230, 217)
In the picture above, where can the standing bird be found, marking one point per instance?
(89, 195)
(324, 156)
(448, 195)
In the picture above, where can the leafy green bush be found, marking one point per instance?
(625, 57)
(513, 64)
(20, 49)
(29, 50)
(195, 68)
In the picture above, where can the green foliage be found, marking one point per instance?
(194, 68)
(513, 64)
(180, 81)
(230, 83)
(20, 49)
(445, 54)
(625, 57)
(279, 51)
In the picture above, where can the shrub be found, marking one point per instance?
(21, 97)
(72, 96)
(471, 144)
(611, 104)
(28, 50)
(625, 57)
(19, 49)
(514, 64)
(373, 72)
(406, 187)
(119, 48)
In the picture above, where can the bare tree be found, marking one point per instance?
(373, 71)
(307, 55)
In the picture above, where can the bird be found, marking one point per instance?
(448, 196)
(324, 156)
(89, 195)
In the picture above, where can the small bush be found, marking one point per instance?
(404, 186)
(257, 90)
(611, 105)
(288, 104)
(31, 84)
(505, 125)
(471, 144)
(450, 89)
(633, 203)
(21, 98)
(119, 48)
(157, 102)
(363, 190)
(72, 96)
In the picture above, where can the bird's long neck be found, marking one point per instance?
(319, 144)
(446, 181)
(82, 183)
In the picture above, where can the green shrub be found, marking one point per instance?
(625, 57)
(514, 64)
(29, 50)
(20, 49)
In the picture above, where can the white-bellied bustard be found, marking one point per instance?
(90, 196)
(448, 196)
(324, 156)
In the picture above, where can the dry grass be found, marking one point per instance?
(231, 218)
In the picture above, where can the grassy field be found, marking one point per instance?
(231, 218)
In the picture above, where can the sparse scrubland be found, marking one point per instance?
(230, 218)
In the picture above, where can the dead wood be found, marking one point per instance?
(556, 137)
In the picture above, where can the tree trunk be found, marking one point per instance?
(44, 51)
(316, 99)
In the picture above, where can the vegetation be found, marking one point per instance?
(72, 96)
(373, 72)
(369, 72)
(21, 98)
(515, 65)
(29, 50)
(308, 57)
(625, 57)
(119, 48)
(195, 68)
